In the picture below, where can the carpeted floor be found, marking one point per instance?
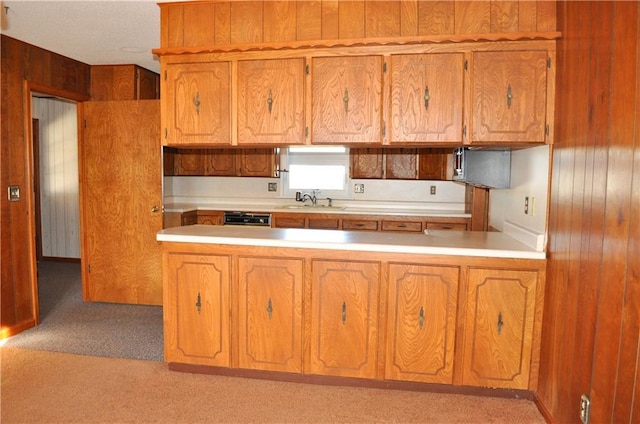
(67, 324)
(49, 387)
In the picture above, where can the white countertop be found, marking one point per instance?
(455, 243)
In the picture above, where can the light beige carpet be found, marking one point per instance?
(51, 387)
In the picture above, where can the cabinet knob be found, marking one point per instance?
(270, 101)
(344, 312)
(427, 97)
(500, 323)
(421, 318)
(155, 209)
(345, 99)
(269, 308)
(509, 96)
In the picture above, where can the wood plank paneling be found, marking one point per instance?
(408, 18)
(472, 17)
(527, 16)
(200, 17)
(330, 20)
(351, 19)
(382, 19)
(436, 17)
(504, 16)
(279, 21)
(309, 20)
(222, 23)
(246, 22)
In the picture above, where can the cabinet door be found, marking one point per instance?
(499, 328)
(366, 163)
(347, 99)
(401, 164)
(256, 163)
(509, 96)
(271, 101)
(344, 321)
(286, 220)
(432, 164)
(427, 97)
(270, 314)
(197, 108)
(189, 162)
(422, 323)
(210, 218)
(220, 162)
(196, 309)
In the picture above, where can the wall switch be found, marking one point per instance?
(433, 190)
(358, 188)
(273, 186)
(13, 192)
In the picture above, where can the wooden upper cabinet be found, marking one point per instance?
(401, 164)
(427, 97)
(509, 96)
(498, 341)
(256, 163)
(221, 162)
(346, 100)
(270, 313)
(196, 105)
(344, 318)
(366, 163)
(422, 323)
(271, 101)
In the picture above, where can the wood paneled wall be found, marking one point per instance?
(592, 311)
(43, 70)
(59, 191)
(210, 23)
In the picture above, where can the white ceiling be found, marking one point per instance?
(96, 32)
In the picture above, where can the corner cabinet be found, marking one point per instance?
(427, 98)
(346, 104)
(271, 101)
(196, 109)
(196, 308)
(501, 312)
(509, 97)
(421, 325)
(344, 318)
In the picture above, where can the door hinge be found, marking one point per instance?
(306, 69)
(89, 268)
(384, 129)
(384, 67)
(166, 133)
(165, 75)
(84, 122)
(546, 130)
(466, 64)
(548, 62)
(464, 130)
(306, 132)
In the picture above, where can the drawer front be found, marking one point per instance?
(327, 224)
(350, 224)
(402, 226)
(288, 222)
(446, 226)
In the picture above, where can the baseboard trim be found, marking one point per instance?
(352, 382)
(543, 409)
(17, 328)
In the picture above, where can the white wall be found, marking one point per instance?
(59, 198)
(529, 178)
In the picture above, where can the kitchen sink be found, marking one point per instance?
(311, 207)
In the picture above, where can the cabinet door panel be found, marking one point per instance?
(344, 323)
(366, 163)
(221, 162)
(422, 323)
(509, 96)
(256, 163)
(198, 102)
(347, 99)
(499, 328)
(270, 309)
(271, 101)
(427, 97)
(401, 164)
(197, 309)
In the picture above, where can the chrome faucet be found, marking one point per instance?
(303, 197)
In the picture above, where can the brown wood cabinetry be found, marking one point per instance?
(366, 163)
(245, 162)
(270, 313)
(196, 308)
(500, 319)
(210, 217)
(400, 163)
(509, 97)
(197, 104)
(271, 101)
(421, 324)
(344, 318)
(427, 98)
(346, 102)
(123, 82)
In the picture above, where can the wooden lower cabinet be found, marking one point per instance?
(344, 318)
(501, 309)
(196, 309)
(270, 313)
(399, 317)
(421, 324)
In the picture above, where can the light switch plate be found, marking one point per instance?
(13, 193)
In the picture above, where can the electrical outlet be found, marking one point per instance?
(433, 190)
(585, 408)
(358, 188)
(526, 205)
(273, 186)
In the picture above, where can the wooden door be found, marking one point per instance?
(221, 162)
(509, 96)
(347, 99)
(422, 323)
(499, 328)
(401, 164)
(366, 163)
(270, 314)
(271, 101)
(427, 97)
(189, 161)
(432, 164)
(121, 200)
(197, 105)
(196, 309)
(344, 318)
(256, 162)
